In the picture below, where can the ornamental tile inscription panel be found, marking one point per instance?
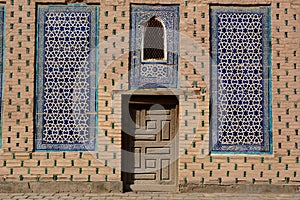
(240, 79)
(159, 72)
(66, 78)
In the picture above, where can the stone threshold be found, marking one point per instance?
(61, 187)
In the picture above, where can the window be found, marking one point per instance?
(154, 46)
(66, 78)
(2, 23)
(154, 40)
(240, 79)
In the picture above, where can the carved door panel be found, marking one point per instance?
(153, 146)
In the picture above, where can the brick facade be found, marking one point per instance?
(20, 162)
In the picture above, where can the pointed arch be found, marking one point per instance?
(154, 40)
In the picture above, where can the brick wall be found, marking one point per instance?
(19, 162)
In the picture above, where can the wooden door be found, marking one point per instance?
(152, 146)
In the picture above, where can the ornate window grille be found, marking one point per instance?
(154, 40)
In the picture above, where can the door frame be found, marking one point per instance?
(127, 100)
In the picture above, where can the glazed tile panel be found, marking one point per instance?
(66, 72)
(2, 23)
(155, 73)
(240, 79)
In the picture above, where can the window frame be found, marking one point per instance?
(156, 74)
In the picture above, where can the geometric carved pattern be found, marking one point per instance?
(153, 144)
(160, 72)
(242, 71)
(149, 142)
(67, 79)
(2, 23)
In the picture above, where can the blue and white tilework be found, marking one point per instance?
(2, 24)
(157, 73)
(240, 79)
(66, 78)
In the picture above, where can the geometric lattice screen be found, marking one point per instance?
(240, 79)
(2, 24)
(66, 77)
(154, 46)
